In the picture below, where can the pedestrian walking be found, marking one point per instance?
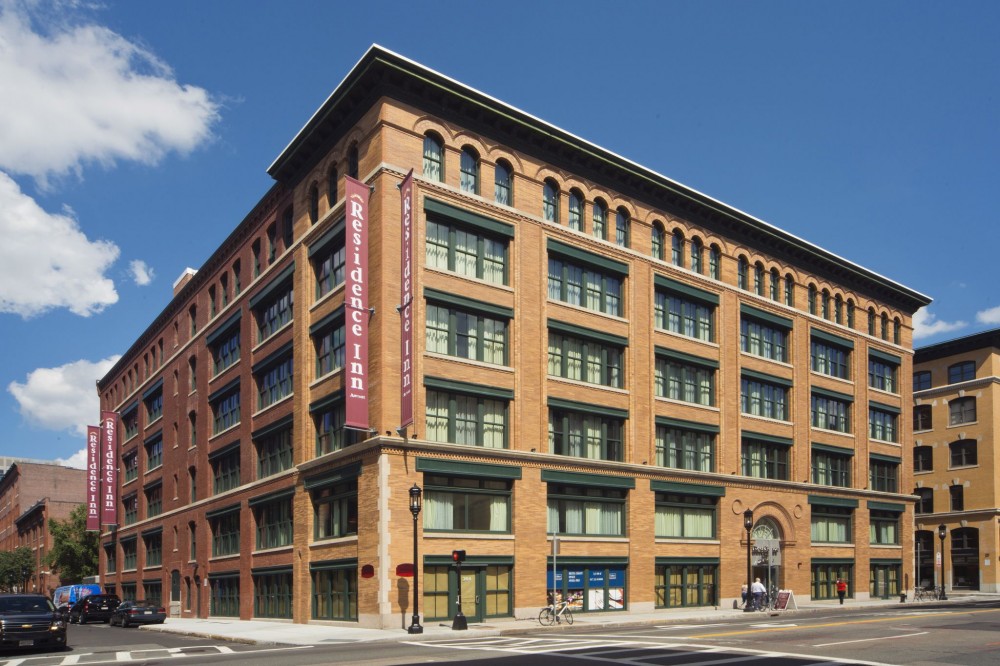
(841, 590)
(743, 593)
(757, 591)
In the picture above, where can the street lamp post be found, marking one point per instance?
(942, 533)
(415, 627)
(748, 525)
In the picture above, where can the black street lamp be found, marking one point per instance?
(415, 627)
(748, 525)
(942, 533)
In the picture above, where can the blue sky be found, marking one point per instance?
(135, 135)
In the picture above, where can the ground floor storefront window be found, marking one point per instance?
(335, 590)
(272, 593)
(686, 582)
(487, 588)
(225, 594)
(153, 591)
(883, 579)
(590, 585)
(824, 575)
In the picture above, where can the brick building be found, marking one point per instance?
(599, 351)
(956, 400)
(31, 494)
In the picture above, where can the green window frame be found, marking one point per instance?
(226, 352)
(335, 593)
(830, 468)
(467, 504)
(130, 508)
(335, 510)
(829, 359)
(685, 448)
(154, 500)
(884, 527)
(272, 594)
(154, 452)
(328, 257)
(831, 524)
(330, 343)
(764, 459)
(584, 286)
(883, 425)
(469, 419)
(153, 545)
(830, 413)
(466, 251)
(225, 534)
(130, 422)
(274, 451)
(154, 406)
(463, 333)
(761, 339)
(130, 466)
(883, 374)
(883, 475)
(683, 516)
(675, 379)
(586, 510)
(590, 435)
(684, 316)
(275, 527)
(275, 382)
(275, 313)
(686, 584)
(585, 359)
(130, 554)
(152, 590)
(225, 471)
(226, 411)
(763, 398)
(225, 599)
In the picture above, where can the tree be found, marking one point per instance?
(74, 549)
(16, 567)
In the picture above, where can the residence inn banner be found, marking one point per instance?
(406, 302)
(356, 305)
(93, 478)
(109, 474)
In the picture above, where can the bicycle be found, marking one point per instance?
(922, 593)
(555, 614)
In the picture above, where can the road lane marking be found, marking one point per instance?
(880, 638)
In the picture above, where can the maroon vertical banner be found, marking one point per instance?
(356, 305)
(93, 478)
(406, 302)
(109, 468)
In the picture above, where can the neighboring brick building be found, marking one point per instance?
(598, 350)
(956, 470)
(31, 494)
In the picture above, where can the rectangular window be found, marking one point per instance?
(830, 413)
(226, 472)
(154, 454)
(923, 459)
(922, 418)
(962, 410)
(274, 452)
(882, 425)
(130, 424)
(226, 534)
(329, 342)
(466, 419)
(586, 511)
(765, 460)
(335, 594)
(585, 360)
(684, 316)
(154, 406)
(760, 339)
(275, 382)
(686, 584)
(328, 265)
(687, 382)
(921, 380)
(831, 524)
(130, 464)
(956, 495)
(226, 352)
(964, 453)
(274, 314)
(926, 502)
(585, 287)
(335, 510)
(466, 334)
(109, 556)
(685, 449)
(680, 516)
(330, 432)
(130, 557)
(962, 372)
(272, 595)
(882, 375)
(586, 435)
(884, 476)
(226, 412)
(154, 501)
(884, 528)
(760, 398)
(831, 469)
(130, 507)
(153, 591)
(154, 549)
(225, 600)
(274, 524)
(466, 251)
(466, 504)
(831, 360)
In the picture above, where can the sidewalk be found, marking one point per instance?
(262, 632)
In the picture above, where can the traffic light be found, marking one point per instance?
(458, 555)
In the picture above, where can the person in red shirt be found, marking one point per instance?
(841, 590)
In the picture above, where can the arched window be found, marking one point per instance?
(885, 326)
(433, 157)
(658, 236)
(469, 167)
(575, 210)
(871, 321)
(677, 248)
(313, 203)
(622, 227)
(352, 161)
(550, 200)
(850, 313)
(838, 309)
(600, 219)
(896, 331)
(789, 290)
(744, 277)
(331, 188)
(503, 186)
(812, 299)
(775, 285)
(714, 262)
(826, 304)
(961, 372)
(758, 279)
(697, 253)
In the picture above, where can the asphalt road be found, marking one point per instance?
(910, 635)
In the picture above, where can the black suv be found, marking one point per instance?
(30, 620)
(95, 607)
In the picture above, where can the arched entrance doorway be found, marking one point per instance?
(766, 554)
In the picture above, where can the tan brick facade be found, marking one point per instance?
(509, 565)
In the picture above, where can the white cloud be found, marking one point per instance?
(47, 262)
(990, 316)
(141, 273)
(925, 324)
(84, 95)
(63, 398)
(77, 461)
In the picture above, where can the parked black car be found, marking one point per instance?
(138, 612)
(95, 607)
(30, 620)
(63, 611)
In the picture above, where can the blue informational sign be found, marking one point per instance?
(575, 578)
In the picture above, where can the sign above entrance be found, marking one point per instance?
(766, 552)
